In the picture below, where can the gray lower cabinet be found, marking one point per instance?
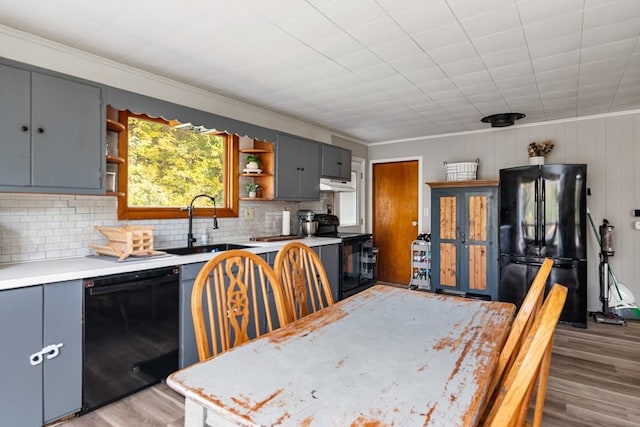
(330, 257)
(297, 174)
(188, 351)
(52, 133)
(34, 321)
(336, 162)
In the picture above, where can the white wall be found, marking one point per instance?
(609, 145)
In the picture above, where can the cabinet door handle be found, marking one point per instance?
(36, 358)
(40, 130)
(50, 351)
(24, 128)
(462, 237)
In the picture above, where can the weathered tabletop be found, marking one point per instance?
(385, 356)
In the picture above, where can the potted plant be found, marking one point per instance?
(253, 161)
(252, 188)
(538, 151)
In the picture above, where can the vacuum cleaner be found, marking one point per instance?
(606, 250)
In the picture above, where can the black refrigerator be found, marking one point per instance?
(543, 214)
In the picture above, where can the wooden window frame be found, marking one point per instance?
(229, 208)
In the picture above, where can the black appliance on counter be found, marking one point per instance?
(543, 214)
(357, 256)
(130, 333)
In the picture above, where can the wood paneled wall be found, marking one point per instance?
(610, 146)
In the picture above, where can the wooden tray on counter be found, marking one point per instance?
(275, 238)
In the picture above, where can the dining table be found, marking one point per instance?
(387, 356)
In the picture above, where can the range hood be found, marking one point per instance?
(336, 185)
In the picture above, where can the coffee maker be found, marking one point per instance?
(304, 215)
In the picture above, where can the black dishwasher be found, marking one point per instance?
(130, 333)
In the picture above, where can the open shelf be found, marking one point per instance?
(114, 126)
(115, 160)
(265, 151)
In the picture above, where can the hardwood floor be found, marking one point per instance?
(595, 376)
(594, 380)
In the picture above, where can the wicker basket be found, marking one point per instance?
(128, 240)
(461, 171)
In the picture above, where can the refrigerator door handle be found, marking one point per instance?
(543, 215)
(537, 213)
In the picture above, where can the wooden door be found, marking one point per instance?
(395, 216)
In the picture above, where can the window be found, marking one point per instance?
(167, 163)
(349, 204)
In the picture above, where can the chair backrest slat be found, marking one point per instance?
(531, 364)
(522, 323)
(234, 285)
(304, 279)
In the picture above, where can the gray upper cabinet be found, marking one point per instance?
(336, 162)
(52, 133)
(36, 390)
(297, 168)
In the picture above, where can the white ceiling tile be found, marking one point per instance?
(511, 71)
(441, 36)
(510, 39)
(415, 64)
(610, 13)
(505, 57)
(558, 74)
(495, 21)
(563, 60)
(453, 53)
(473, 78)
(465, 9)
(554, 27)
(397, 49)
(621, 49)
(359, 60)
(542, 10)
(377, 72)
(605, 34)
(372, 34)
(464, 67)
(555, 45)
(425, 15)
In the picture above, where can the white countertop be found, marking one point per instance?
(59, 270)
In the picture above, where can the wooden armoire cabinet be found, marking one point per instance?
(464, 238)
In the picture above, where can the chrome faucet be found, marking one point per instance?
(189, 209)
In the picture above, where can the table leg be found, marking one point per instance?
(194, 414)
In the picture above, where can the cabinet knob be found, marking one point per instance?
(40, 130)
(24, 128)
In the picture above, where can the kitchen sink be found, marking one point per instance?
(218, 247)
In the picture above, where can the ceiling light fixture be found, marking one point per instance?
(502, 120)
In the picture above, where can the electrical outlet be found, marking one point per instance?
(425, 212)
(248, 213)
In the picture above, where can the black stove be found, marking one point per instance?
(357, 266)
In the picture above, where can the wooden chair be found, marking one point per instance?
(304, 279)
(532, 363)
(231, 302)
(521, 325)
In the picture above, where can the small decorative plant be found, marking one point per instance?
(253, 161)
(252, 188)
(541, 148)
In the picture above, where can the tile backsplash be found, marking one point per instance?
(49, 226)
